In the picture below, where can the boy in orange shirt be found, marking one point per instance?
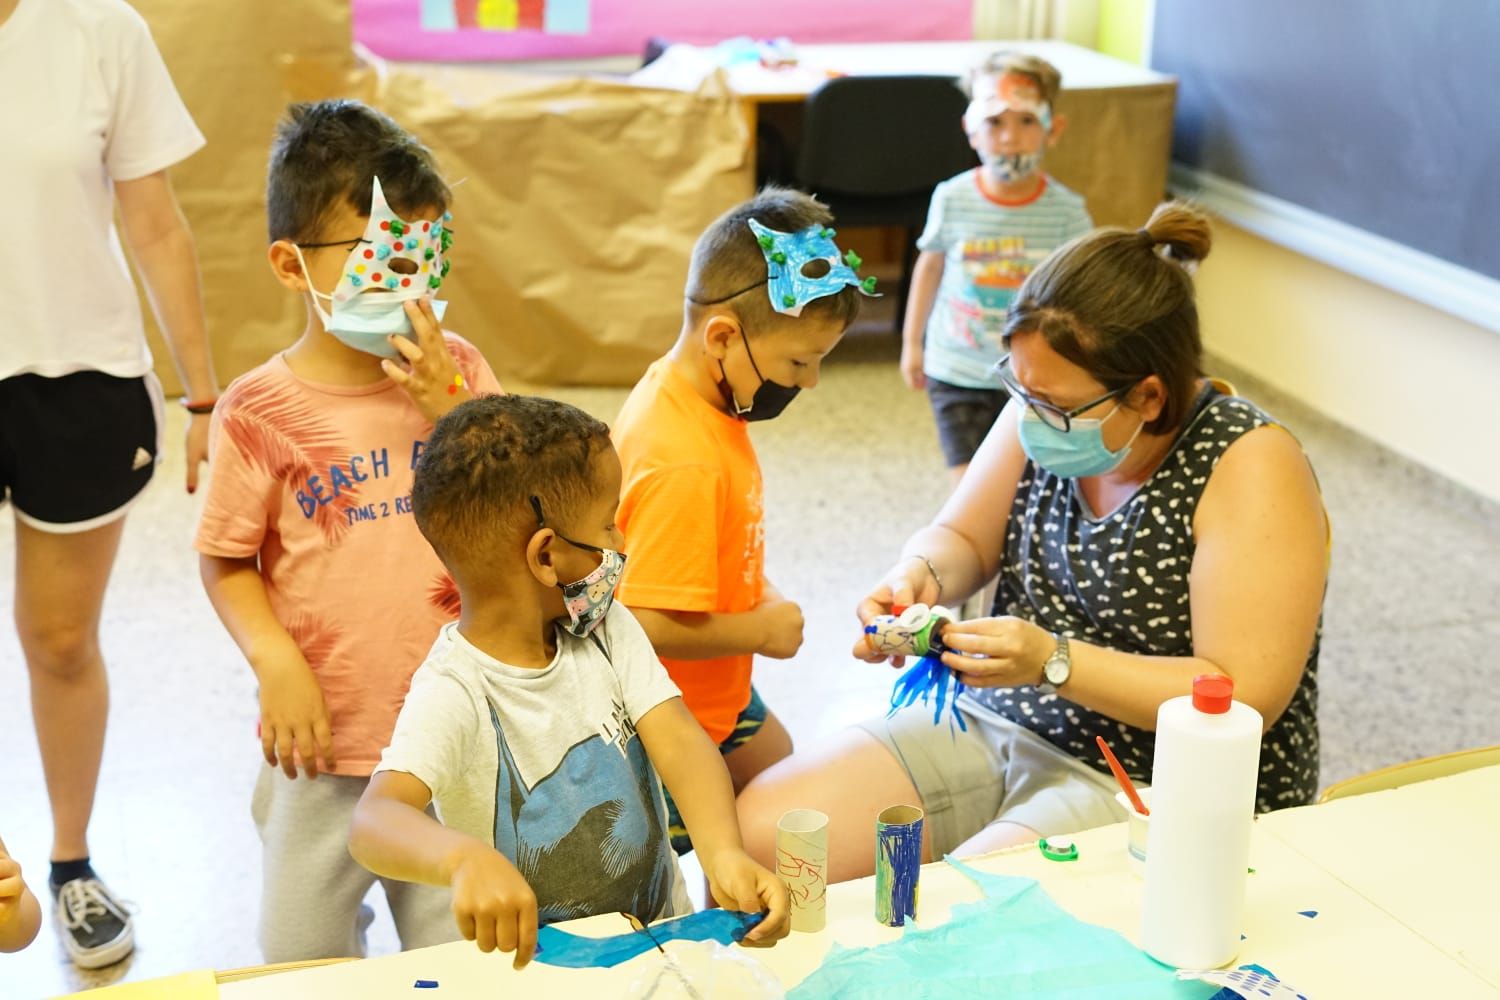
(756, 326)
(308, 547)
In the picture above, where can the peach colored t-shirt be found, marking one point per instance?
(691, 509)
(316, 481)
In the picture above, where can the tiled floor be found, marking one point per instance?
(1408, 665)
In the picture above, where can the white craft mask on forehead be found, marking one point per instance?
(395, 261)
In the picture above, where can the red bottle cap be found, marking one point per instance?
(1213, 693)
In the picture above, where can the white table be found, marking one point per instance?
(1115, 152)
(1081, 68)
(1428, 854)
(1393, 914)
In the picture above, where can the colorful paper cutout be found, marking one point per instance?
(573, 951)
(787, 258)
(929, 679)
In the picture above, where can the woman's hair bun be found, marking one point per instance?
(1180, 228)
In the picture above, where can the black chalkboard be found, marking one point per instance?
(1383, 114)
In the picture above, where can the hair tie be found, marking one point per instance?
(1143, 231)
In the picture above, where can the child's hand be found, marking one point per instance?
(20, 917)
(430, 376)
(492, 903)
(738, 883)
(11, 885)
(781, 621)
(911, 367)
(293, 716)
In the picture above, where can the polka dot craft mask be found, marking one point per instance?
(394, 262)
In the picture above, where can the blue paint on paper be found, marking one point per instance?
(573, 951)
(425, 984)
(1309, 914)
(898, 865)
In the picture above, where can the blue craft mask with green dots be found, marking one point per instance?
(791, 256)
(395, 261)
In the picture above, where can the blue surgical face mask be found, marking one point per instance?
(366, 320)
(1076, 453)
(395, 260)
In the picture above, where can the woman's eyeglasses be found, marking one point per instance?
(1053, 416)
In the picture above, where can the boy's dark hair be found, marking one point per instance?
(729, 268)
(488, 457)
(327, 151)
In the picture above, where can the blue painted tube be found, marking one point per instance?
(898, 864)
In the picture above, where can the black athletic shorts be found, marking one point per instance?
(76, 450)
(964, 416)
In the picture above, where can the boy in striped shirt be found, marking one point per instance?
(987, 228)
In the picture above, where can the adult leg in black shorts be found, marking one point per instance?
(75, 452)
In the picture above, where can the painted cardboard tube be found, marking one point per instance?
(898, 863)
(802, 864)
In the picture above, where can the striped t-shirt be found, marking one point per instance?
(989, 248)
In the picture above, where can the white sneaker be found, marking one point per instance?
(96, 927)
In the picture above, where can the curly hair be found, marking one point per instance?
(488, 457)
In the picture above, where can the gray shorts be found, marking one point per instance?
(995, 771)
(312, 890)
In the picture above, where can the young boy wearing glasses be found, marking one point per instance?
(308, 548)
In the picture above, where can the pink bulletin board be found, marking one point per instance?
(583, 28)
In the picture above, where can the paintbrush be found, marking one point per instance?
(1122, 778)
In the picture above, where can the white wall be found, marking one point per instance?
(1415, 379)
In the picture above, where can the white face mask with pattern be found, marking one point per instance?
(394, 262)
(588, 600)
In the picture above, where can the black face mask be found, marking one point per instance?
(770, 397)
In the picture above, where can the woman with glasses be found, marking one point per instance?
(1146, 525)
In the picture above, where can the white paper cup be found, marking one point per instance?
(1137, 827)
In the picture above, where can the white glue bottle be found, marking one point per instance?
(1202, 807)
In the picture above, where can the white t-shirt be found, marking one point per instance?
(546, 765)
(85, 101)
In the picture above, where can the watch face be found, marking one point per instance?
(1056, 670)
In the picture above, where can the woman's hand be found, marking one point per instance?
(909, 582)
(997, 652)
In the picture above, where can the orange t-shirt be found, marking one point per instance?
(692, 512)
(315, 480)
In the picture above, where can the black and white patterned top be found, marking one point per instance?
(1122, 582)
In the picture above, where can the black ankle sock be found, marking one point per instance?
(64, 872)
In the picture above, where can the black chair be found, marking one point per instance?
(874, 147)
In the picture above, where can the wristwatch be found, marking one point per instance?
(1059, 666)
